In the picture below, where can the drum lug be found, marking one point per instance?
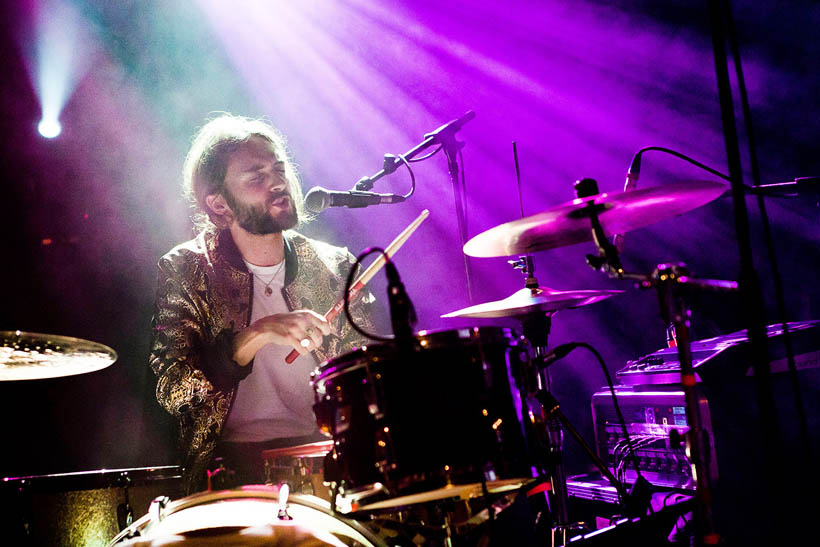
(282, 513)
(156, 511)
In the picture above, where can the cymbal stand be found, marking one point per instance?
(550, 436)
(672, 282)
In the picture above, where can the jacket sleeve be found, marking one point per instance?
(190, 361)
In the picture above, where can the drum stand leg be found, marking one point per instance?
(448, 530)
(562, 529)
(536, 327)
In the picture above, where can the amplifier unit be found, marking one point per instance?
(652, 402)
(651, 416)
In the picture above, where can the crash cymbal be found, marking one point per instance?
(32, 356)
(541, 299)
(619, 212)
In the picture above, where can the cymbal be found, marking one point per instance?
(451, 491)
(619, 212)
(541, 299)
(33, 356)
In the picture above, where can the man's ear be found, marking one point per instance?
(218, 206)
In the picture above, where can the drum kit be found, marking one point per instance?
(377, 477)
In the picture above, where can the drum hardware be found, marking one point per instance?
(672, 282)
(221, 477)
(534, 307)
(282, 512)
(125, 514)
(156, 511)
(553, 409)
(34, 356)
(300, 467)
(589, 217)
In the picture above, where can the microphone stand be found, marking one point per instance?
(445, 136)
(391, 162)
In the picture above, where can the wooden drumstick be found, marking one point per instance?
(368, 274)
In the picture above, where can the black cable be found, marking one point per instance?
(685, 158)
(412, 177)
(777, 280)
(640, 481)
(621, 419)
(430, 155)
(349, 283)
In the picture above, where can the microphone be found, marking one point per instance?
(557, 354)
(318, 199)
(632, 175)
(402, 312)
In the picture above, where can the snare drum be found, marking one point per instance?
(449, 411)
(250, 515)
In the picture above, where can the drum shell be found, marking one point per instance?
(448, 411)
(81, 508)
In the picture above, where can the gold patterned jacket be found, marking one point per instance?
(204, 295)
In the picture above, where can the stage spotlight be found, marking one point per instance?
(49, 128)
(59, 45)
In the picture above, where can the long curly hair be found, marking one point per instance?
(207, 162)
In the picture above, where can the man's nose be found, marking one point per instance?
(276, 183)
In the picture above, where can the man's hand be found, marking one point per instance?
(301, 329)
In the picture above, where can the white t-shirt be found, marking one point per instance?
(276, 399)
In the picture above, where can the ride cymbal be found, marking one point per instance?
(567, 224)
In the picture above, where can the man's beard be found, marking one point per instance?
(258, 220)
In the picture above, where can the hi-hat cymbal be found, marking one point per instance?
(526, 301)
(32, 356)
(618, 212)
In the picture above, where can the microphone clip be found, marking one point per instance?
(402, 313)
(391, 165)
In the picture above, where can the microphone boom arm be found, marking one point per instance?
(392, 163)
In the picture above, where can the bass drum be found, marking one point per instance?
(250, 515)
(450, 410)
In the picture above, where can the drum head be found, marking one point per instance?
(246, 516)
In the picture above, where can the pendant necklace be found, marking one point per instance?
(268, 290)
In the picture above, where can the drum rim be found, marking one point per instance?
(95, 479)
(359, 357)
(262, 492)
